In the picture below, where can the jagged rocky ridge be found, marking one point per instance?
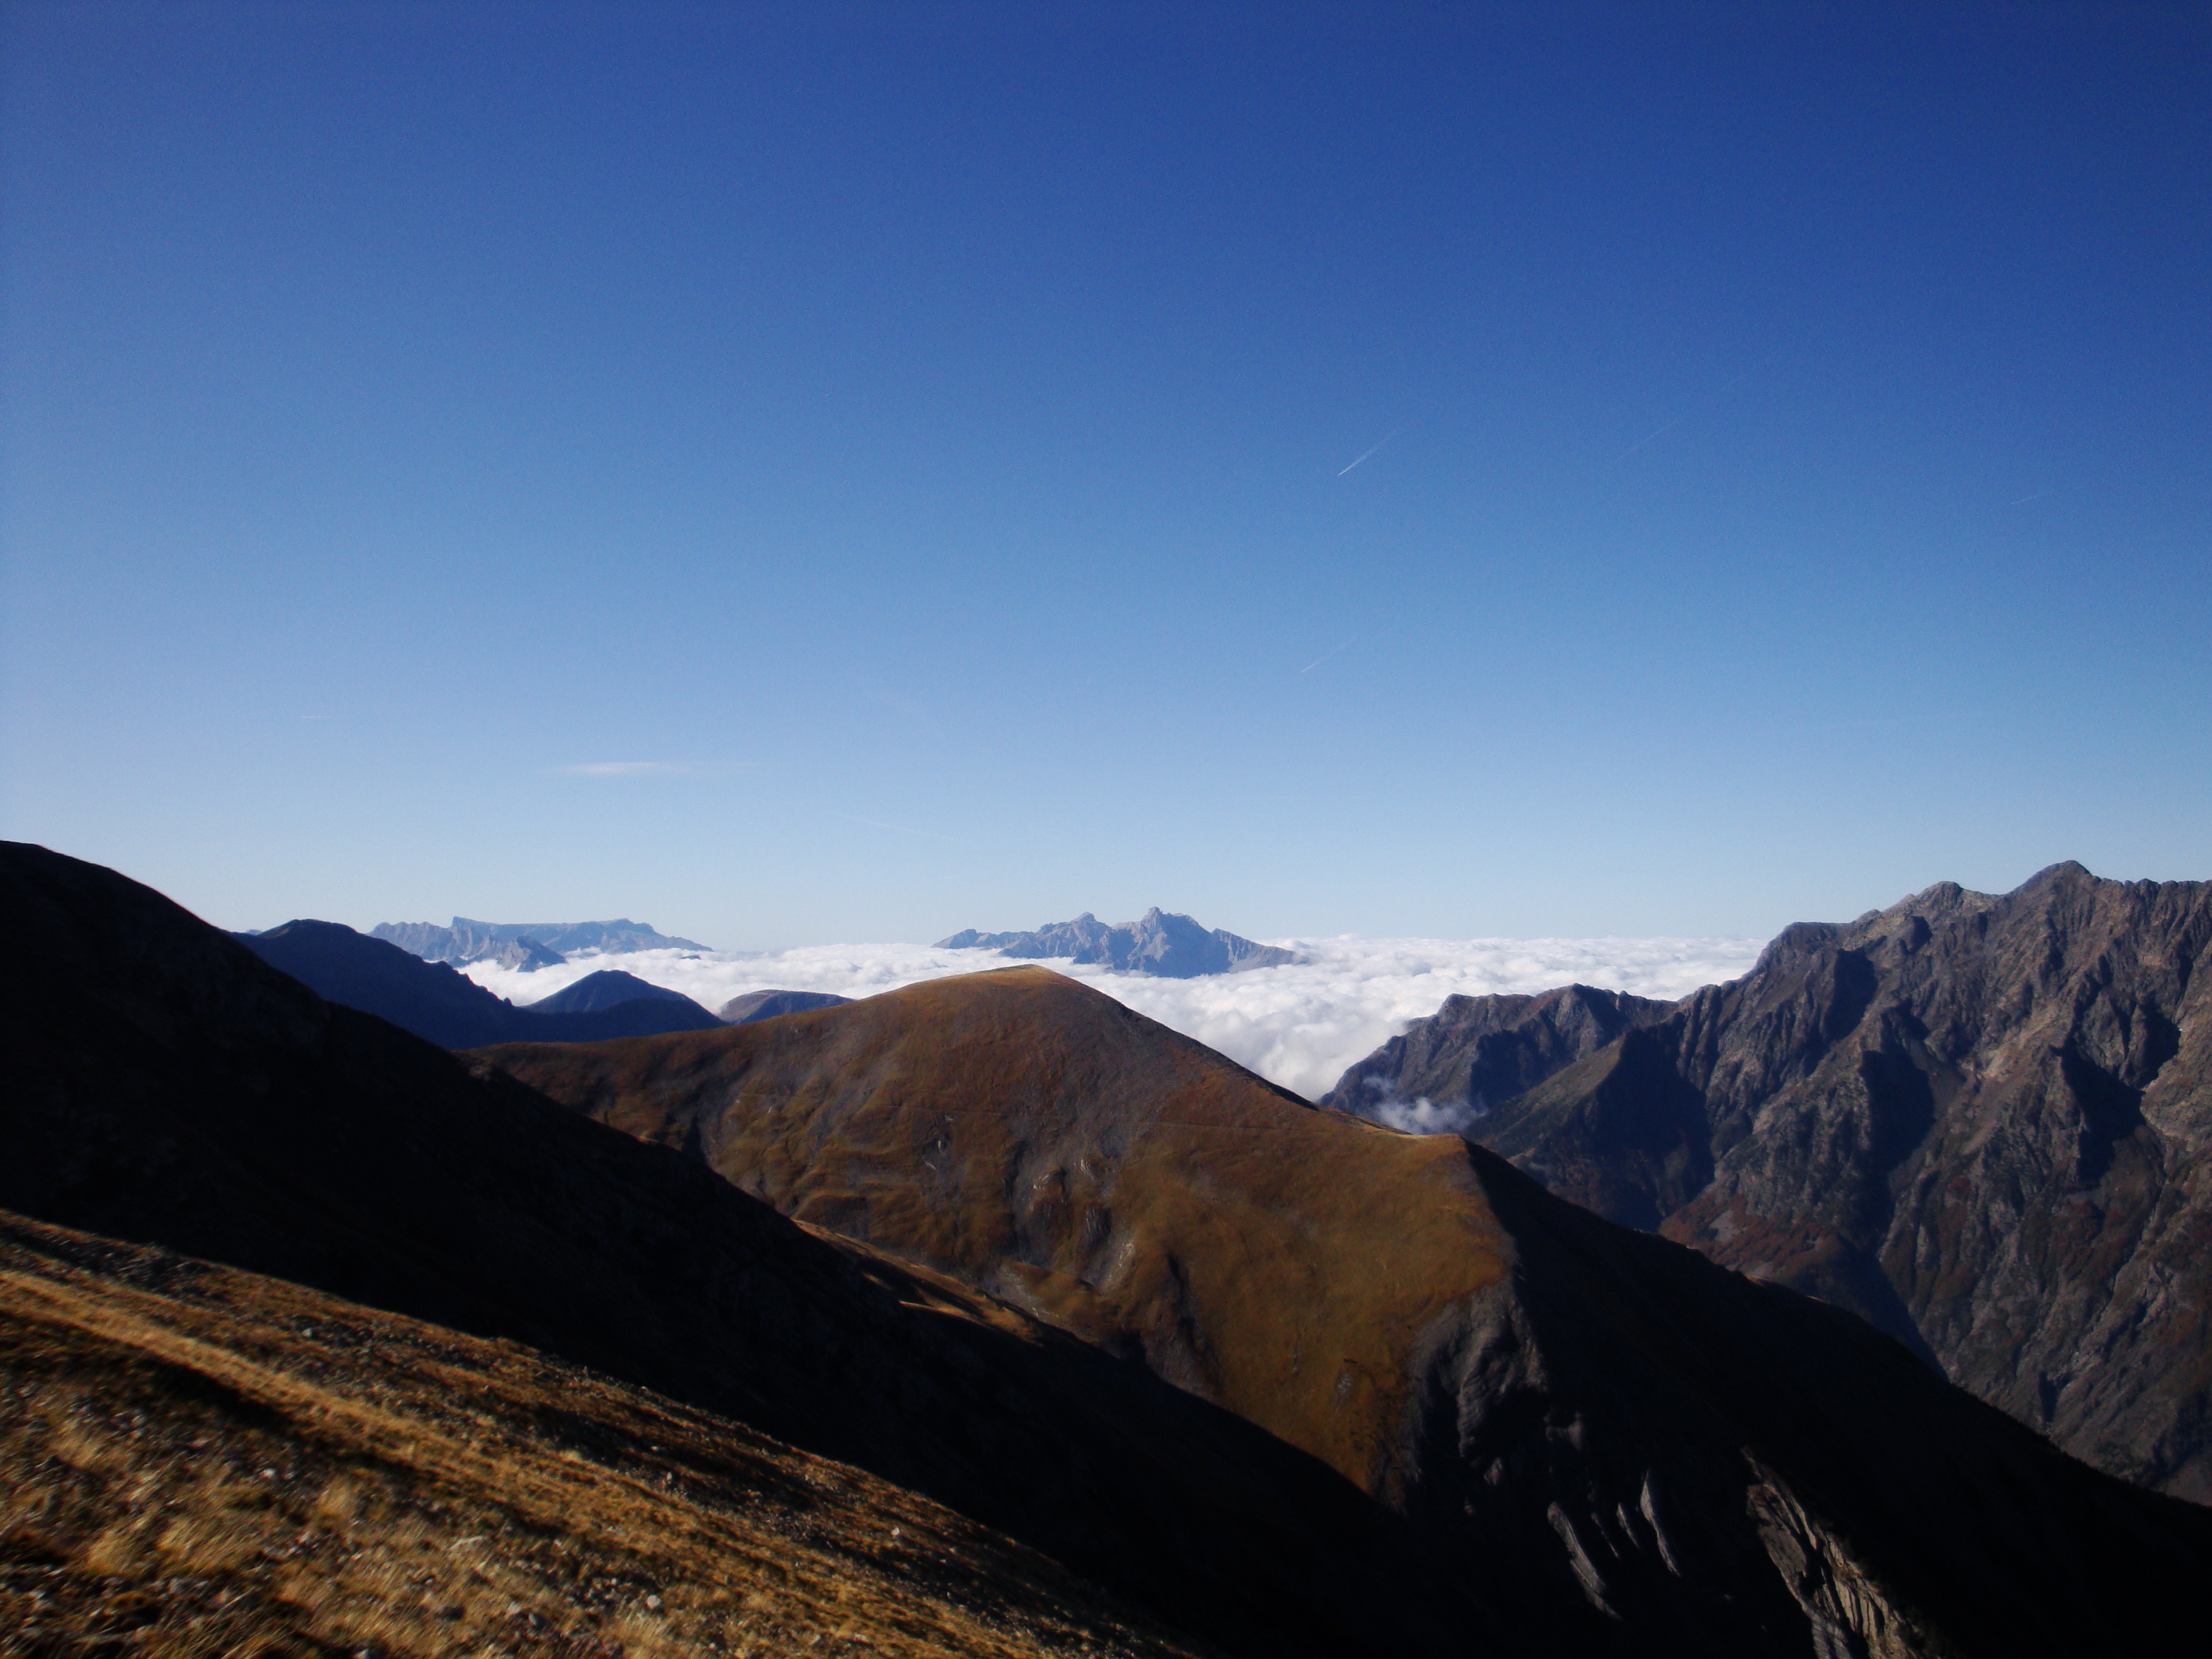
(511, 943)
(1164, 945)
(1981, 1121)
(1618, 1445)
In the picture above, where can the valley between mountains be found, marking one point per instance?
(987, 1316)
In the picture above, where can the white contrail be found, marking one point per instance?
(1342, 470)
(1327, 654)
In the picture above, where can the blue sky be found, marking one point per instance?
(811, 472)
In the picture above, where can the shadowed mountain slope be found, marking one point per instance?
(610, 988)
(447, 1007)
(767, 1005)
(1587, 1416)
(166, 1086)
(1164, 945)
(1982, 1121)
(1476, 1051)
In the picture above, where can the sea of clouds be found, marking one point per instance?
(1299, 1026)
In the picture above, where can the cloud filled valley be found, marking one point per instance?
(1299, 1026)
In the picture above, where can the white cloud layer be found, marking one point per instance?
(1299, 1026)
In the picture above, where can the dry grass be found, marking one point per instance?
(1036, 1139)
(203, 1464)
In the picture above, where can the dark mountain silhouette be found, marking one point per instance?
(167, 1087)
(1169, 946)
(467, 941)
(767, 1005)
(610, 988)
(436, 1002)
(1978, 1120)
(1573, 1418)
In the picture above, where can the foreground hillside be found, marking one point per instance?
(196, 1460)
(1578, 1417)
(1980, 1120)
(166, 1087)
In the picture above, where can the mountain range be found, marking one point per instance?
(981, 1316)
(1167, 947)
(523, 944)
(1981, 1121)
(435, 1002)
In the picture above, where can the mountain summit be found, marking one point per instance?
(1166, 946)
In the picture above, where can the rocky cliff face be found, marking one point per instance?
(1167, 947)
(1447, 1072)
(467, 940)
(1590, 1422)
(1980, 1120)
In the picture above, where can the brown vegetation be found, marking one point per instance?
(1043, 1142)
(206, 1462)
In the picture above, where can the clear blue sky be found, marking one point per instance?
(907, 444)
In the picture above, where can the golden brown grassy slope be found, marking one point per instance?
(196, 1460)
(1128, 1184)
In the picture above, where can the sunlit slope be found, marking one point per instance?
(1041, 1139)
(201, 1460)
(1580, 1416)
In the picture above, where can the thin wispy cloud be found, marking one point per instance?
(647, 768)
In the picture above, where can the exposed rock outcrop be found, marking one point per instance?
(1982, 1121)
(1167, 947)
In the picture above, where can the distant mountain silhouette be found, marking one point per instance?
(1582, 1421)
(467, 941)
(1167, 947)
(767, 1005)
(610, 988)
(1978, 1120)
(436, 1002)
